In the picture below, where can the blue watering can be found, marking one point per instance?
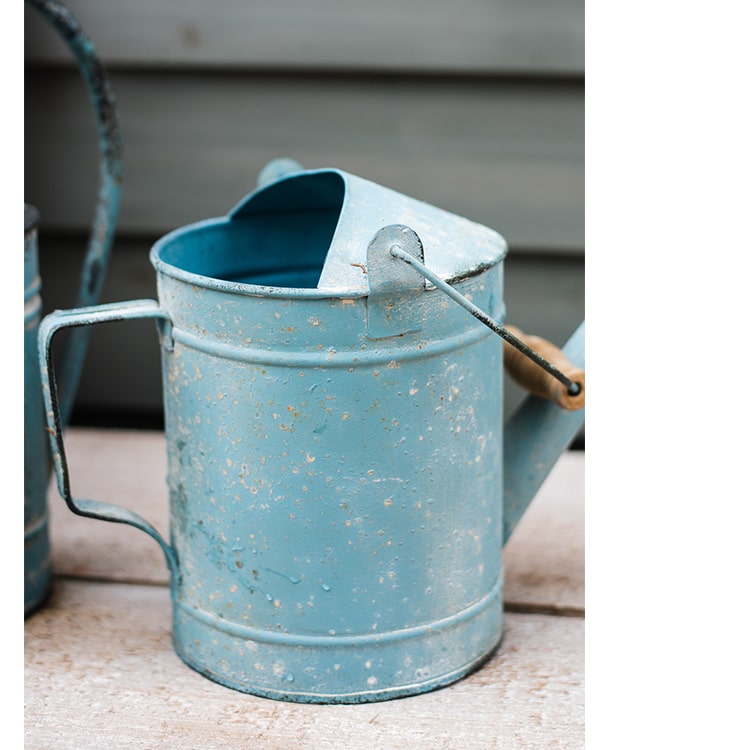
(341, 481)
(37, 462)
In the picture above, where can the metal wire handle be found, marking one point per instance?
(573, 388)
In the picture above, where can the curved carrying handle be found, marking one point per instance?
(551, 382)
(84, 316)
(110, 179)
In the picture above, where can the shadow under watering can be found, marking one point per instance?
(38, 574)
(342, 478)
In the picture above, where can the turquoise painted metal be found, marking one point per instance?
(37, 562)
(37, 462)
(334, 434)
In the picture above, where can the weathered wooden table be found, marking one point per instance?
(100, 671)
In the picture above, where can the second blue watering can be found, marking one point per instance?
(38, 573)
(342, 477)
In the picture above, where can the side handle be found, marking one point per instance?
(83, 316)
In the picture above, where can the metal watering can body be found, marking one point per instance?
(37, 460)
(334, 431)
(37, 564)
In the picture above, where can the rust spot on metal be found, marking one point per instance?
(360, 265)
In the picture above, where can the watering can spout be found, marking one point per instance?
(534, 438)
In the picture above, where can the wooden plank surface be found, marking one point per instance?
(513, 37)
(544, 559)
(507, 154)
(100, 672)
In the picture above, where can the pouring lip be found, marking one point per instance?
(350, 240)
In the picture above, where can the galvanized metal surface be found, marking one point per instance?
(335, 506)
(36, 457)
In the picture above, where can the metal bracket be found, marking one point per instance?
(394, 285)
(164, 329)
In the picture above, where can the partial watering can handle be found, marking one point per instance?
(110, 180)
(85, 316)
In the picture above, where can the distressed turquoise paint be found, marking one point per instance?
(334, 441)
(37, 562)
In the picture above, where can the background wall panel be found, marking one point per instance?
(502, 153)
(535, 37)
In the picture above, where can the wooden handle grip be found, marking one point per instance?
(538, 381)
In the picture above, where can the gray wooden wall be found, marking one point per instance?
(475, 106)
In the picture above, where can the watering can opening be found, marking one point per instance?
(306, 233)
(278, 237)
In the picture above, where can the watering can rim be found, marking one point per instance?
(222, 285)
(498, 244)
